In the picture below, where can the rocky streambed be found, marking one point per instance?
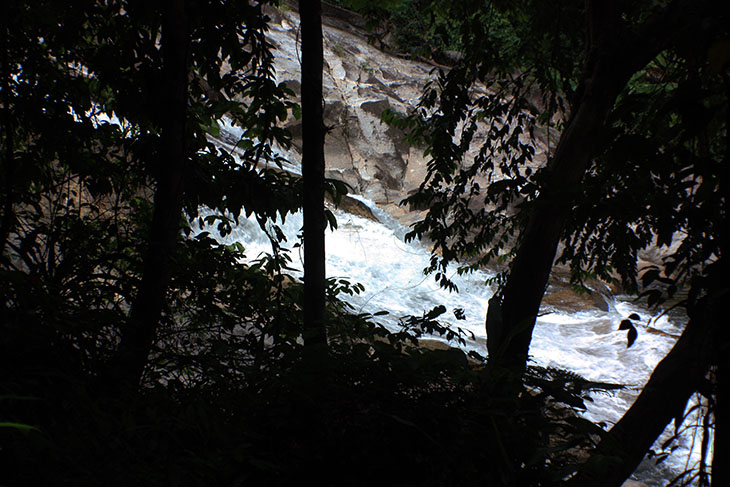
(576, 330)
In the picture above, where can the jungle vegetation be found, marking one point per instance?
(136, 351)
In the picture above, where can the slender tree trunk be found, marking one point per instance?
(663, 398)
(607, 71)
(138, 337)
(313, 132)
(721, 446)
(7, 167)
(704, 342)
(721, 451)
(613, 55)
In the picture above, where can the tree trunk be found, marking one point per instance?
(613, 55)
(607, 71)
(721, 452)
(721, 449)
(313, 133)
(705, 342)
(7, 156)
(663, 398)
(138, 337)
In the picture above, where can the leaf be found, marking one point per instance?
(650, 276)
(435, 312)
(296, 110)
(331, 219)
(211, 127)
(660, 458)
(245, 144)
(669, 441)
(632, 333)
(678, 420)
(476, 356)
(631, 336)
(18, 426)
(634, 316)
(653, 297)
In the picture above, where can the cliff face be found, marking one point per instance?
(360, 82)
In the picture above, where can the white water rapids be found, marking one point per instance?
(588, 343)
(374, 254)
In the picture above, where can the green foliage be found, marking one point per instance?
(430, 33)
(631, 333)
(229, 395)
(18, 426)
(369, 412)
(81, 91)
(81, 118)
(474, 185)
(655, 180)
(658, 180)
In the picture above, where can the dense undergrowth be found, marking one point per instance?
(229, 395)
(221, 407)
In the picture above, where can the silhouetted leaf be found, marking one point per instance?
(625, 325)
(631, 336)
(459, 314)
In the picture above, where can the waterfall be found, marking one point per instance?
(589, 343)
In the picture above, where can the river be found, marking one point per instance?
(589, 343)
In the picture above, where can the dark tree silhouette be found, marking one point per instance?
(600, 184)
(614, 54)
(7, 164)
(662, 399)
(138, 336)
(313, 132)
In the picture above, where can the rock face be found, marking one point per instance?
(359, 83)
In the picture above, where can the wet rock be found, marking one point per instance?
(360, 82)
(633, 483)
(569, 300)
(356, 207)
